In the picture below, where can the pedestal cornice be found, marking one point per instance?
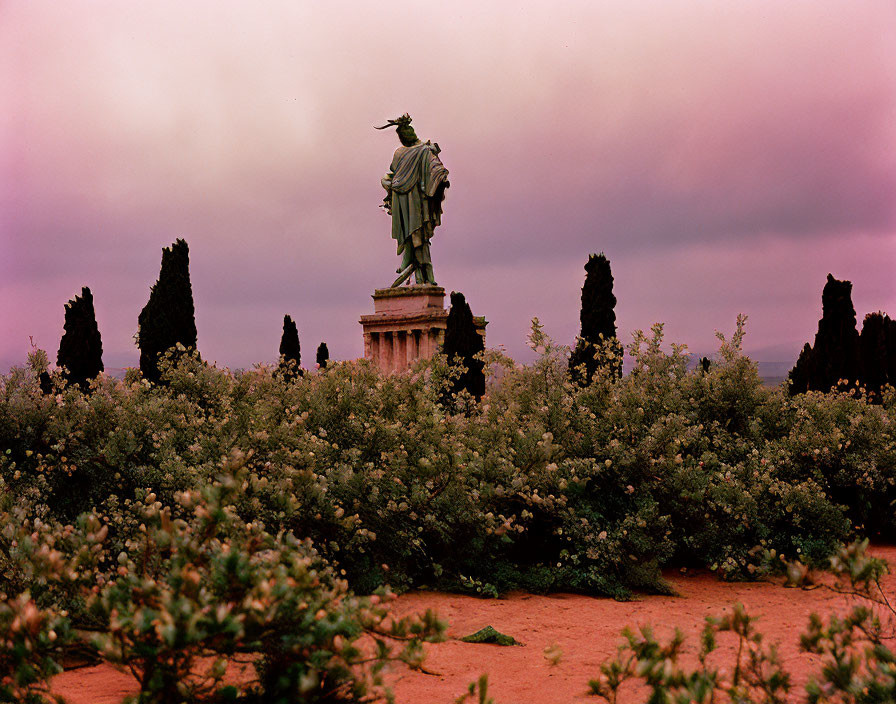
(408, 323)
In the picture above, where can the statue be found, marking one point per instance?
(415, 188)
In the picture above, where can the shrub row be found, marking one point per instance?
(543, 485)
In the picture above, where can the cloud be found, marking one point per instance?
(681, 132)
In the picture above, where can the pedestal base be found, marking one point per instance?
(408, 323)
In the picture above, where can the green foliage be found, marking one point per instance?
(217, 588)
(547, 484)
(187, 598)
(857, 664)
(39, 563)
(31, 642)
(114, 511)
(755, 676)
(476, 692)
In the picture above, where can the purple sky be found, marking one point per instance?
(724, 155)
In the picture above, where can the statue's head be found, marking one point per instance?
(406, 133)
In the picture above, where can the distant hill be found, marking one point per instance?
(774, 373)
(771, 373)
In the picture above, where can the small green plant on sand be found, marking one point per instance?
(477, 692)
(755, 676)
(858, 663)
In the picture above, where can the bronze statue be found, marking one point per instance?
(415, 188)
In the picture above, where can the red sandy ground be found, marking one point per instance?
(586, 629)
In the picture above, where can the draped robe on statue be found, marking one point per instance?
(415, 188)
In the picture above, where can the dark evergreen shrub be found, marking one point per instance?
(891, 351)
(464, 341)
(81, 348)
(46, 382)
(323, 355)
(598, 320)
(877, 345)
(833, 361)
(801, 373)
(290, 350)
(168, 318)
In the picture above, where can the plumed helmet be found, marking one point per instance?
(401, 122)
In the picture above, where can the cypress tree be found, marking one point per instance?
(46, 382)
(837, 342)
(598, 319)
(877, 347)
(290, 350)
(81, 348)
(891, 352)
(464, 341)
(323, 355)
(835, 355)
(801, 373)
(168, 318)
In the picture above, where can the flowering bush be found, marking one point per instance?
(187, 598)
(29, 647)
(217, 589)
(546, 484)
(34, 631)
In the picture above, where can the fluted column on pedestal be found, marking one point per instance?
(408, 324)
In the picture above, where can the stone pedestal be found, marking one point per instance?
(408, 323)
